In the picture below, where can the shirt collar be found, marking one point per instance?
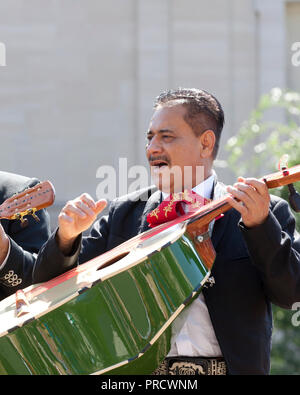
(203, 189)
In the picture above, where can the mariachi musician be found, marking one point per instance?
(227, 329)
(19, 245)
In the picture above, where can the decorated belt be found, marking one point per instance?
(191, 366)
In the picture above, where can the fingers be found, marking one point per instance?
(258, 185)
(77, 216)
(74, 209)
(243, 193)
(83, 207)
(96, 207)
(65, 217)
(88, 200)
(249, 190)
(238, 205)
(89, 206)
(100, 205)
(251, 198)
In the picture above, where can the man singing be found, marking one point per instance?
(257, 248)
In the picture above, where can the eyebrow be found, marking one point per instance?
(161, 131)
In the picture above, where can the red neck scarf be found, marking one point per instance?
(174, 206)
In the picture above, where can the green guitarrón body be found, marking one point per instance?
(120, 325)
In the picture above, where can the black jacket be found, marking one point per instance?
(253, 268)
(25, 242)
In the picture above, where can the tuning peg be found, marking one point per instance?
(294, 197)
(20, 216)
(36, 217)
(32, 212)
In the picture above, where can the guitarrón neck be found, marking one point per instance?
(215, 208)
(211, 211)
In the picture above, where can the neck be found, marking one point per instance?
(201, 174)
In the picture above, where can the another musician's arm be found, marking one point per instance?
(24, 244)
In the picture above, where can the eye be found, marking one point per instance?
(167, 137)
(148, 138)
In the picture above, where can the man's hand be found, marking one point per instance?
(252, 200)
(4, 245)
(76, 217)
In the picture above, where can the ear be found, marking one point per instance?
(207, 140)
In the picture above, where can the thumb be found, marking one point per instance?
(100, 205)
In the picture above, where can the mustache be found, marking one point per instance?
(159, 157)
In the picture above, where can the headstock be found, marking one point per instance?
(28, 202)
(286, 176)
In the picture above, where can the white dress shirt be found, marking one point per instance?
(192, 331)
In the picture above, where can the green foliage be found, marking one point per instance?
(285, 357)
(258, 146)
(266, 141)
(260, 143)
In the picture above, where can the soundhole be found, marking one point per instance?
(113, 260)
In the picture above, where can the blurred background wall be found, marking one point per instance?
(81, 76)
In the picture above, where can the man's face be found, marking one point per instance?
(173, 151)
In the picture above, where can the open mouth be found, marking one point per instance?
(159, 164)
(159, 167)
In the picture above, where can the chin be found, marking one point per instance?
(167, 188)
(162, 186)
(170, 180)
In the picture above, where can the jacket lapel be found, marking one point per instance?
(154, 200)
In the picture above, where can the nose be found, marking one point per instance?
(154, 146)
